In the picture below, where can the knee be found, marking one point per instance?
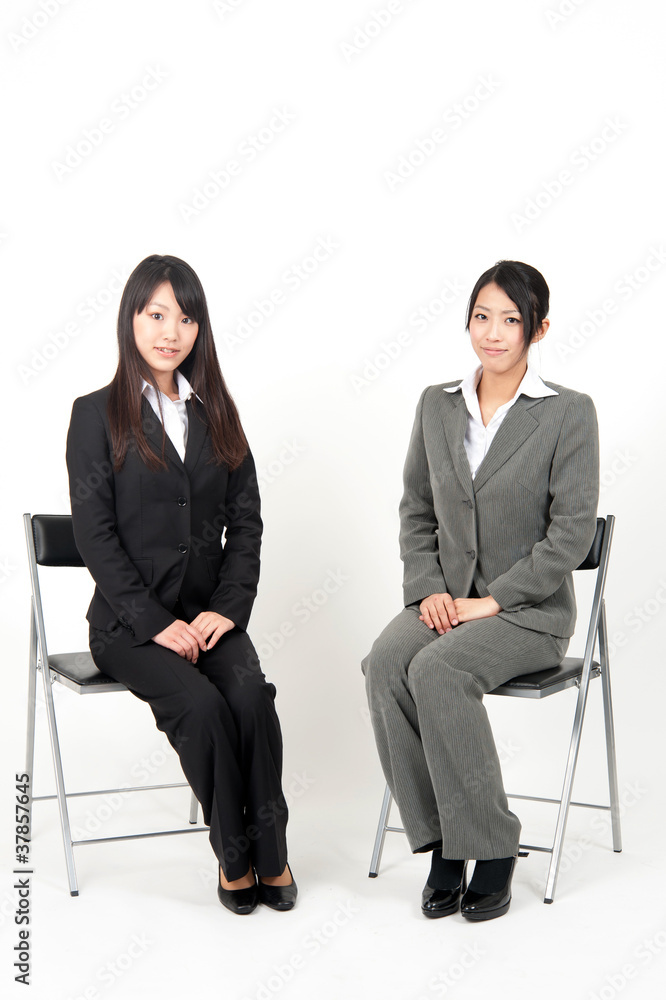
(429, 672)
(385, 668)
(205, 711)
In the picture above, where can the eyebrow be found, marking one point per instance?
(488, 309)
(153, 303)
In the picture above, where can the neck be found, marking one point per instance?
(166, 383)
(502, 387)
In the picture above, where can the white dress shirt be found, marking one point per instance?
(478, 437)
(174, 410)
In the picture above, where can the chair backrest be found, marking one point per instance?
(53, 540)
(597, 558)
(50, 542)
(593, 557)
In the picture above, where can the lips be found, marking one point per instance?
(166, 352)
(493, 351)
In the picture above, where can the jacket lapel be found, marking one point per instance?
(514, 430)
(197, 429)
(152, 428)
(455, 426)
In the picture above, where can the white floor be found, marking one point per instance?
(148, 923)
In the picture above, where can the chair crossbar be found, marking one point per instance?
(111, 791)
(140, 836)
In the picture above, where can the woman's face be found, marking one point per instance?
(496, 332)
(164, 335)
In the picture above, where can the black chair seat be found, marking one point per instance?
(78, 672)
(544, 682)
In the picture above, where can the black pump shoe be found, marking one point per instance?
(443, 902)
(239, 901)
(487, 905)
(278, 897)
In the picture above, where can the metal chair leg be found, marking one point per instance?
(565, 799)
(32, 704)
(194, 808)
(381, 834)
(60, 783)
(610, 732)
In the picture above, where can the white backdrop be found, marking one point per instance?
(338, 174)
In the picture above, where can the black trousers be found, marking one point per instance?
(219, 716)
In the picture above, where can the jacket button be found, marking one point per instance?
(471, 553)
(182, 548)
(469, 504)
(182, 501)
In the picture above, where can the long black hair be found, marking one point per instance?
(525, 286)
(201, 367)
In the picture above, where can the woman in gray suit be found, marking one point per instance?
(499, 507)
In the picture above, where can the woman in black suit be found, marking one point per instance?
(166, 516)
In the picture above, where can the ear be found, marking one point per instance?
(542, 331)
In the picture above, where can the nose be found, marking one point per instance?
(493, 331)
(169, 331)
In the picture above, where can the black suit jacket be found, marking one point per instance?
(149, 538)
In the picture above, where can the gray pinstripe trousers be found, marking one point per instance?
(433, 734)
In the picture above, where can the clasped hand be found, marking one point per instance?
(201, 634)
(442, 612)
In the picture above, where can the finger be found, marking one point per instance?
(215, 636)
(443, 615)
(188, 644)
(450, 606)
(196, 635)
(435, 614)
(426, 617)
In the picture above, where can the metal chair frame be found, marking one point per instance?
(571, 672)
(96, 683)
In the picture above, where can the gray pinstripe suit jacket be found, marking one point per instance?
(519, 528)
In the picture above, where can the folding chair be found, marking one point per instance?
(50, 541)
(571, 672)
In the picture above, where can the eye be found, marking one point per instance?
(187, 319)
(480, 315)
(156, 316)
(513, 319)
